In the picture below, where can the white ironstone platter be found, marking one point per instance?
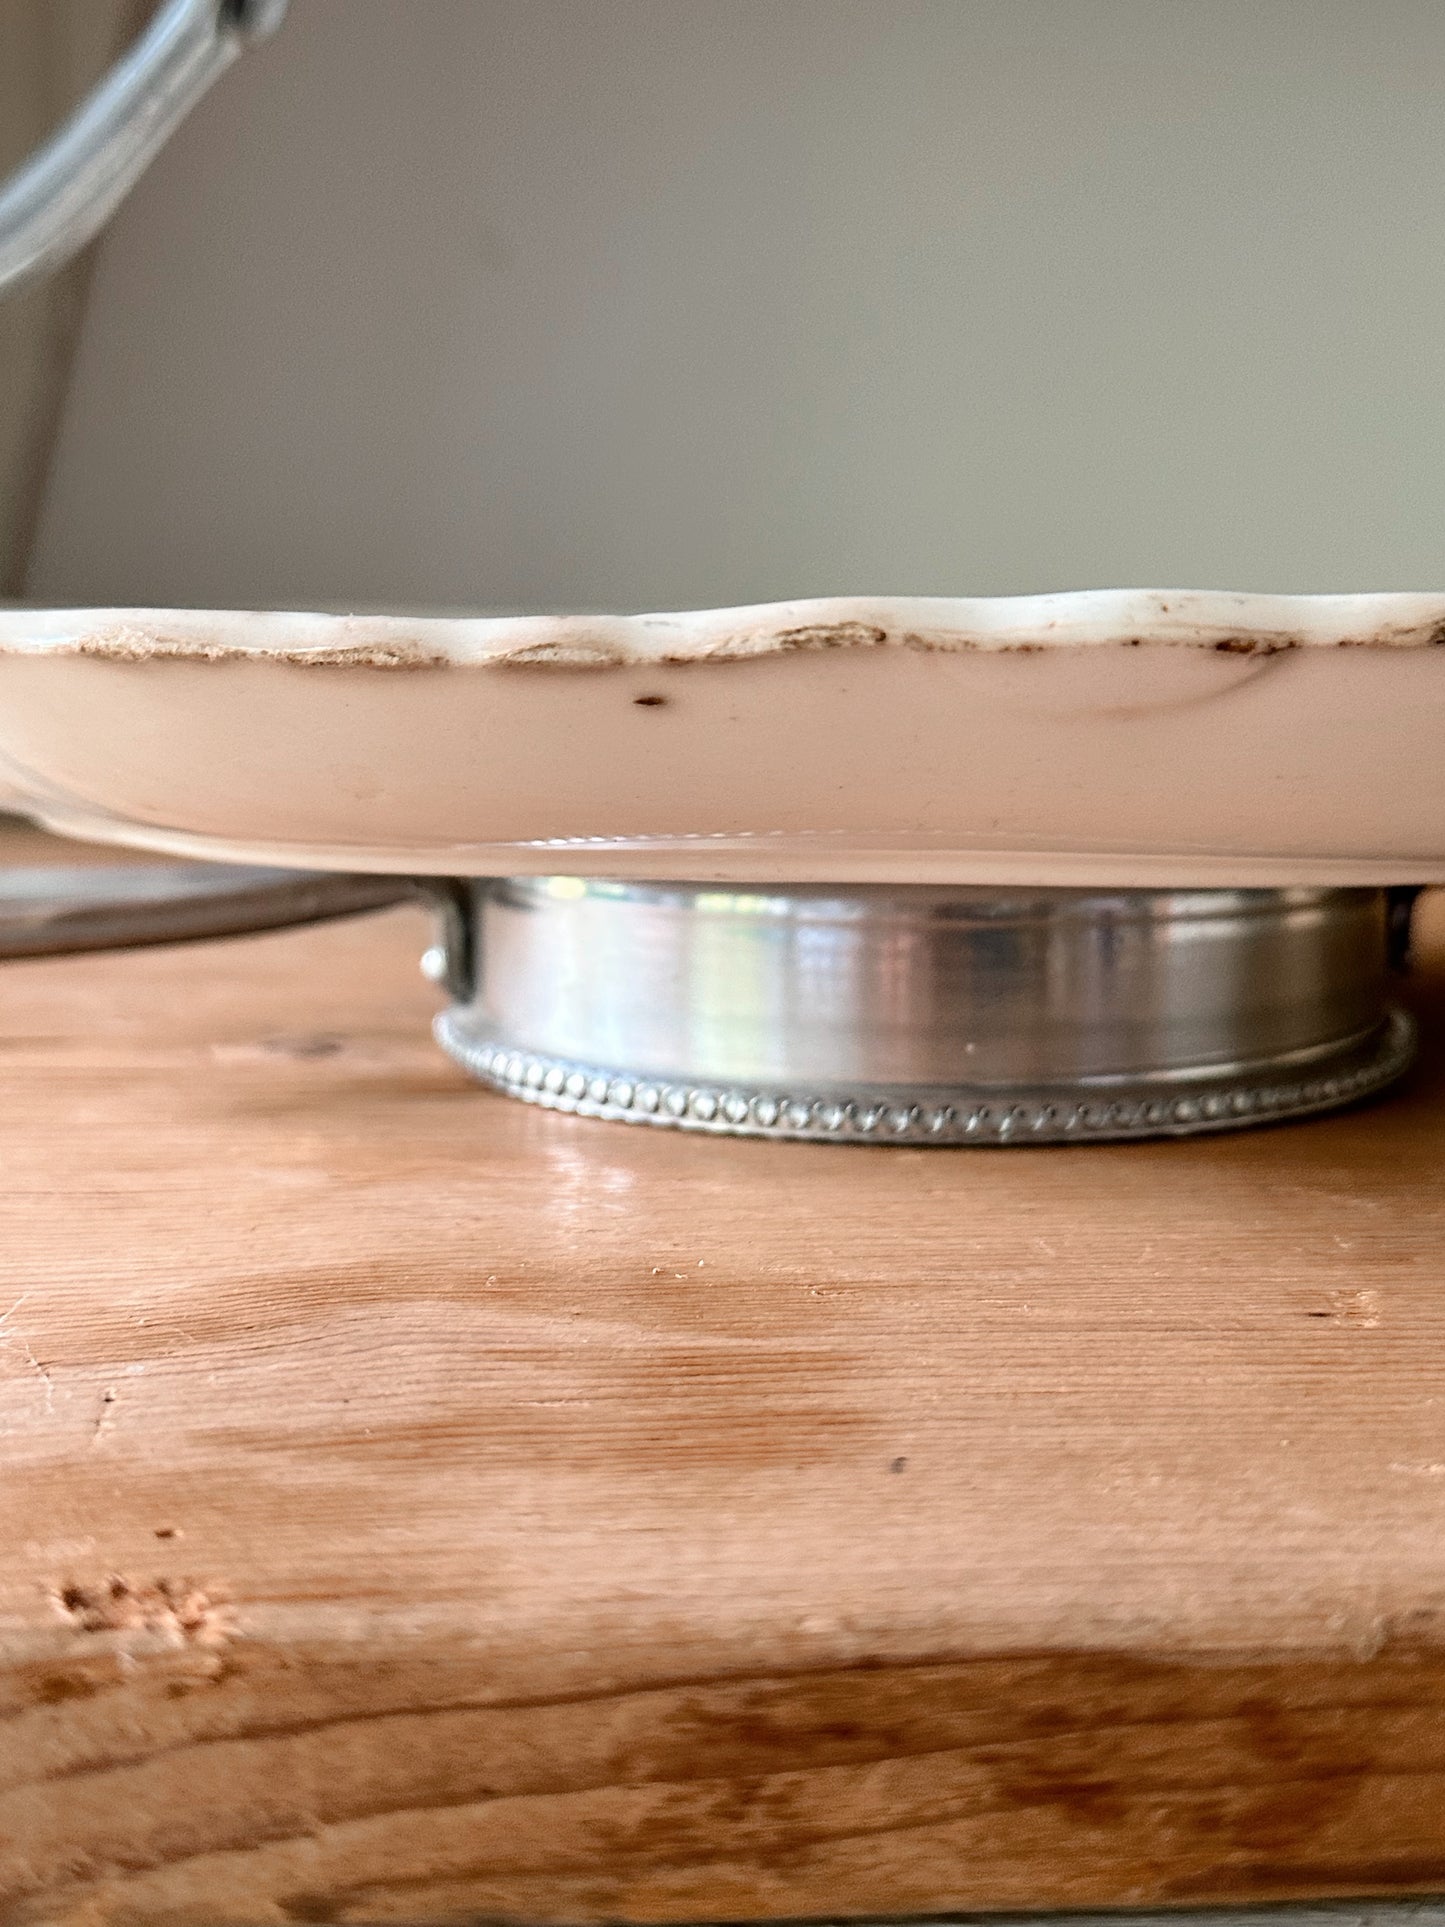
(1105, 737)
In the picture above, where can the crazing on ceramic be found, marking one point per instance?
(1109, 737)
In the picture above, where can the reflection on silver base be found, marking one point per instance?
(928, 1015)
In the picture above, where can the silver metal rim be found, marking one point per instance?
(1109, 1113)
(61, 909)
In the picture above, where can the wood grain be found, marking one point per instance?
(417, 1507)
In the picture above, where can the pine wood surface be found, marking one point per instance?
(416, 1507)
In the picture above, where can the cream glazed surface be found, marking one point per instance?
(1110, 737)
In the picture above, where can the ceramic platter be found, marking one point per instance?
(1104, 738)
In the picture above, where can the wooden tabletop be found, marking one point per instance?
(414, 1506)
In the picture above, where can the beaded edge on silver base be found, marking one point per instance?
(1132, 1110)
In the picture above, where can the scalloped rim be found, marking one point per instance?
(1245, 624)
(1177, 1107)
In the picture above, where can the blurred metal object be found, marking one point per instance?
(929, 1015)
(50, 911)
(65, 193)
(451, 961)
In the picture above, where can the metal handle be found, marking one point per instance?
(68, 189)
(49, 911)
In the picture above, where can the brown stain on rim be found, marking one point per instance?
(136, 646)
(1260, 645)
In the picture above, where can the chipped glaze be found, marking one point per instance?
(1248, 624)
(1108, 736)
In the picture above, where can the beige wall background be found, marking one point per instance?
(50, 52)
(639, 303)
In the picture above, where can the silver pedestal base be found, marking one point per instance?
(924, 1015)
